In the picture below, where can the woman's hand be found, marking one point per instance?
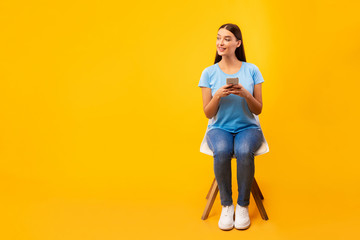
(239, 90)
(223, 91)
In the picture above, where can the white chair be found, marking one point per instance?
(255, 190)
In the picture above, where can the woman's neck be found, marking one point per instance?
(229, 62)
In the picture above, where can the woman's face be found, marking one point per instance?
(226, 42)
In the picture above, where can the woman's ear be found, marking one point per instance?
(239, 43)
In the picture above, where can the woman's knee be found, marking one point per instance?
(244, 156)
(223, 150)
(221, 143)
(223, 153)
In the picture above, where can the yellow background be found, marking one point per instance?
(102, 119)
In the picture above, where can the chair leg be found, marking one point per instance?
(255, 190)
(210, 199)
(258, 189)
(256, 195)
(207, 196)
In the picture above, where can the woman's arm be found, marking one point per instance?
(255, 102)
(210, 104)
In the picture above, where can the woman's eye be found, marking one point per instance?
(225, 39)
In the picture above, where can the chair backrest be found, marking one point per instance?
(204, 147)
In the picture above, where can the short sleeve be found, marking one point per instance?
(204, 79)
(257, 77)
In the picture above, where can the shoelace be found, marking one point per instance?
(227, 210)
(242, 210)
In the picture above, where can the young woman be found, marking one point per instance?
(234, 130)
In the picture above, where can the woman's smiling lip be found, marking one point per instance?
(221, 49)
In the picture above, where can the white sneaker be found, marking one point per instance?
(242, 219)
(226, 221)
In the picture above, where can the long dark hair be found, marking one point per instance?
(239, 52)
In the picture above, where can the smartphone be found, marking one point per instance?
(234, 81)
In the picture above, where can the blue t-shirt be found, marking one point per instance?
(233, 114)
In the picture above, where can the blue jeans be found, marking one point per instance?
(224, 145)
